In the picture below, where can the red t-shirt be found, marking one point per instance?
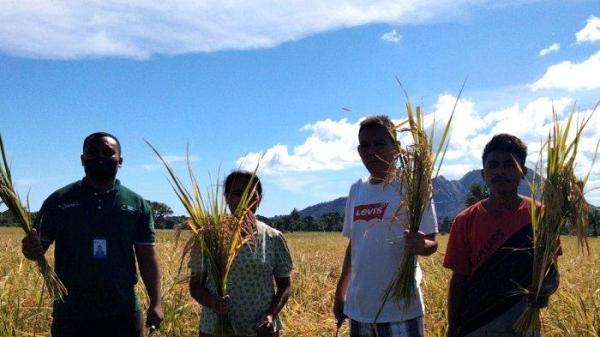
(476, 234)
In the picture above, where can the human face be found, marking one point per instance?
(502, 173)
(101, 158)
(376, 150)
(236, 191)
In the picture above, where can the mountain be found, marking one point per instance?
(333, 206)
(449, 196)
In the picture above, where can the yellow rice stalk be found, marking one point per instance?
(11, 199)
(563, 202)
(216, 234)
(415, 167)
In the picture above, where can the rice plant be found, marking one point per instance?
(416, 166)
(11, 200)
(563, 203)
(217, 235)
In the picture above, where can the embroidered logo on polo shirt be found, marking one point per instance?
(69, 205)
(370, 212)
(129, 209)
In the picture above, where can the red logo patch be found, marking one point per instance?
(370, 212)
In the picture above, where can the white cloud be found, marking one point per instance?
(591, 31)
(330, 146)
(571, 76)
(551, 48)
(391, 36)
(455, 171)
(67, 29)
(466, 123)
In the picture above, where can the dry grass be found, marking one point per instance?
(574, 310)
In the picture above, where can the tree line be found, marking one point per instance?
(293, 222)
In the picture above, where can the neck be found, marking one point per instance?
(503, 202)
(101, 185)
(375, 180)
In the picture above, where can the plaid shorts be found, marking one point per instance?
(411, 328)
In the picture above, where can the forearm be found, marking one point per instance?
(281, 296)
(342, 285)
(430, 246)
(150, 272)
(456, 294)
(199, 292)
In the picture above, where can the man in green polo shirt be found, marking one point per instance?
(100, 228)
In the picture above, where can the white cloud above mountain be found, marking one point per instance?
(331, 145)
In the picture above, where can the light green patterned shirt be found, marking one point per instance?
(250, 282)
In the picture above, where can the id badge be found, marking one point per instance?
(99, 248)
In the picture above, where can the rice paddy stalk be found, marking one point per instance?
(217, 235)
(416, 166)
(563, 203)
(11, 200)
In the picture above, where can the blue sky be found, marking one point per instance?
(247, 77)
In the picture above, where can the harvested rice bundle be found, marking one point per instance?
(563, 202)
(11, 200)
(416, 166)
(217, 235)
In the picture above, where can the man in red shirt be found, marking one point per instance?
(490, 249)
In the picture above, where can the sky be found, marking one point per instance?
(288, 80)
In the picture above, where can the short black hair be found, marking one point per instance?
(507, 143)
(99, 135)
(237, 174)
(379, 121)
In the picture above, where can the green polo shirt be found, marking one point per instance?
(94, 235)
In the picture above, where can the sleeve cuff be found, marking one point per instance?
(145, 243)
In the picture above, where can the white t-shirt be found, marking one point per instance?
(377, 251)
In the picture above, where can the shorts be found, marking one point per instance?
(410, 328)
(125, 325)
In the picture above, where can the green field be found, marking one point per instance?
(573, 311)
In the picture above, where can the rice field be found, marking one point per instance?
(573, 311)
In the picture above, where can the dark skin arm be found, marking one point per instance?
(201, 294)
(342, 285)
(148, 265)
(418, 243)
(265, 322)
(456, 294)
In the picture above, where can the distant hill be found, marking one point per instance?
(449, 196)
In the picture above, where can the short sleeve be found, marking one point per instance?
(283, 259)
(145, 234)
(458, 252)
(429, 220)
(45, 222)
(348, 211)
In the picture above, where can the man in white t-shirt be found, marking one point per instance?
(377, 245)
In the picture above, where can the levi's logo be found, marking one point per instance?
(370, 212)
